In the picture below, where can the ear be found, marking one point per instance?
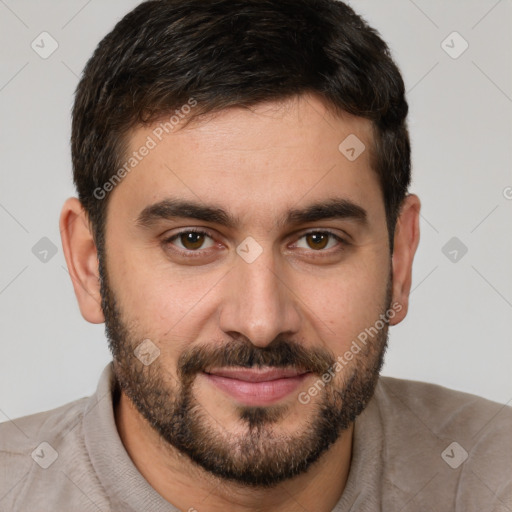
(82, 259)
(406, 239)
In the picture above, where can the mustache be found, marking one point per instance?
(280, 353)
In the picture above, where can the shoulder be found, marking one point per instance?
(17, 435)
(455, 444)
(445, 410)
(36, 451)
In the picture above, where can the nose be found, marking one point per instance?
(259, 302)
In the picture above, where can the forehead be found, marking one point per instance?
(259, 160)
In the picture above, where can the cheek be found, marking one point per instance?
(162, 301)
(343, 306)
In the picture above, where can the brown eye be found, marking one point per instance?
(317, 240)
(191, 240)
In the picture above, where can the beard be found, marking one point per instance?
(256, 454)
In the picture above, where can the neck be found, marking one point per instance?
(190, 488)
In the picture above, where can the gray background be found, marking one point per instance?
(457, 333)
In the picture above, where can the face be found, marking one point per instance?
(244, 258)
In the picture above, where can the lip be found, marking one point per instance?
(256, 386)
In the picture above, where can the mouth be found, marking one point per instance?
(256, 386)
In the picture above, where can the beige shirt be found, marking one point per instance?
(417, 448)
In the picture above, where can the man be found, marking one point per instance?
(244, 229)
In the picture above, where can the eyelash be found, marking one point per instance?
(191, 253)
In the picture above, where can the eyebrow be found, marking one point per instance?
(174, 208)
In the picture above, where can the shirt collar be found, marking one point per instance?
(125, 486)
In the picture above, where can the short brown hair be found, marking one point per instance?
(226, 53)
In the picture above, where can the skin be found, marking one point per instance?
(256, 164)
